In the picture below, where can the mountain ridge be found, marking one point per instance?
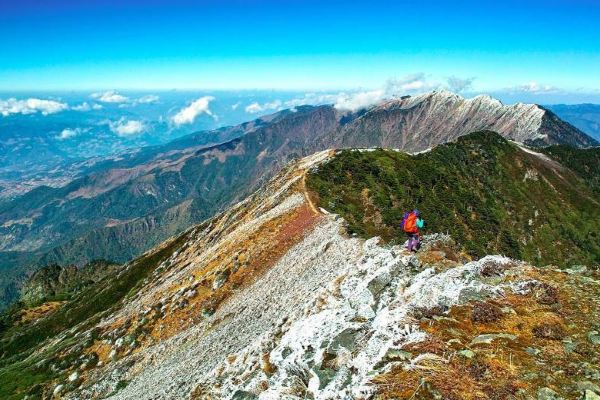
(491, 195)
(316, 311)
(120, 212)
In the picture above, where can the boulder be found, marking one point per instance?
(345, 339)
(547, 394)
(243, 395)
(322, 377)
(590, 395)
(467, 353)
(58, 389)
(488, 338)
(587, 385)
(220, 279)
(594, 337)
(378, 283)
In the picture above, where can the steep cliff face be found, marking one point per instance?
(274, 298)
(118, 212)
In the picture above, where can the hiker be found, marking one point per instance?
(411, 223)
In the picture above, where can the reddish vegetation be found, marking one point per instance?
(302, 221)
(429, 313)
(546, 294)
(485, 313)
(549, 331)
(266, 247)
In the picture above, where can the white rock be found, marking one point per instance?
(73, 376)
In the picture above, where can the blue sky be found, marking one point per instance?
(525, 47)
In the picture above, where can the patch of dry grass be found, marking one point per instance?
(34, 313)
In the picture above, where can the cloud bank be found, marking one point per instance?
(148, 99)
(394, 87)
(357, 99)
(256, 108)
(412, 84)
(31, 106)
(188, 114)
(458, 85)
(125, 128)
(533, 88)
(69, 133)
(85, 106)
(110, 96)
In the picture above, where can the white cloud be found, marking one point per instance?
(313, 98)
(150, 98)
(345, 101)
(410, 84)
(110, 96)
(123, 127)
(82, 107)
(85, 106)
(235, 106)
(31, 106)
(68, 133)
(534, 87)
(358, 100)
(458, 85)
(255, 107)
(354, 101)
(413, 86)
(188, 114)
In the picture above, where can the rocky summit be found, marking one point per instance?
(286, 296)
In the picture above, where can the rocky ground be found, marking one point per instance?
(274, 300)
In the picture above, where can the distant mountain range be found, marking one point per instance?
(123, 206)
(586, 117)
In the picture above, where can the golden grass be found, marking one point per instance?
(40, 311)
